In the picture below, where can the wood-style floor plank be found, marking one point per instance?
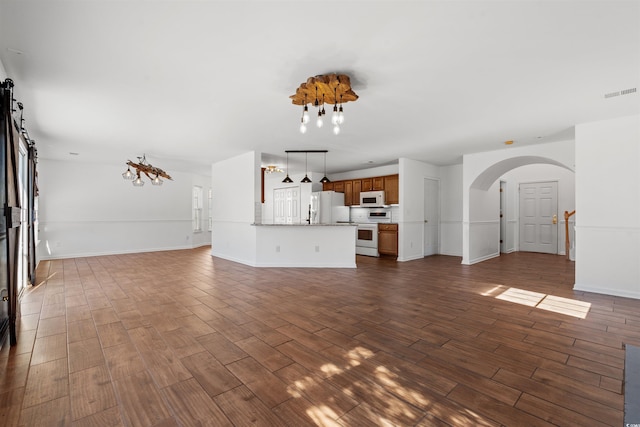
(179, 338)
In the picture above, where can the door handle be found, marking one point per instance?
(555, 219)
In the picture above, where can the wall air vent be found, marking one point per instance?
(622, 92)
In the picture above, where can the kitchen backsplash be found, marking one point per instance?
(358, 214)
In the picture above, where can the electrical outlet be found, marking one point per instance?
(278, 248)
(317, 248)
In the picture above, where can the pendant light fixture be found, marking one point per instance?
(286, 179)
(306, 178)
(321, 87)
(324, 178)
(152, 172)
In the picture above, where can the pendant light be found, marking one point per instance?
(324, 178)
(306, 178)
(334, 116)
(319, 121)
(128, 175)
(138, 182)
(340, 113)
(305, 117)
(286, 179)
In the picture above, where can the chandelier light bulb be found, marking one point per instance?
(303, 127)
(336, 129)
(340, 116)
(305, 115)
(128, 175)
(319, 122)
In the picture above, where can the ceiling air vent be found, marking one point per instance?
(622, 92)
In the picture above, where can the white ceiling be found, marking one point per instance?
(195, 82)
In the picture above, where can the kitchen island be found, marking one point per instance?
(304, 245)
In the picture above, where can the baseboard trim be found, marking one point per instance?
(484, 258)
(606, 291)
(106, 253)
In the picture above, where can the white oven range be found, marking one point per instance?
(367, 239)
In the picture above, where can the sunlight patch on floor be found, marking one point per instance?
(566, 306)
(323, 416)
(388, 379)
(520, 296)
(386, 389)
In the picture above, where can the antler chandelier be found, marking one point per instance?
(318, 90)
(152, 172)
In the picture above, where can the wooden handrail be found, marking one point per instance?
(567, 215)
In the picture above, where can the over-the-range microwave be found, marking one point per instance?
(369, 199)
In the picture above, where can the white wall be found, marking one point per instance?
(3, 73)
(608, 207)
(538, 173)
(451, 210)
(480, 195)
(365, 173)
(88, 209)
(236, 205)
(411, 214)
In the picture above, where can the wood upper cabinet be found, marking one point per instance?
(377, 183)
(353, 187)
(348, 193)
(388, 239)
(357, 187)
(391, 189)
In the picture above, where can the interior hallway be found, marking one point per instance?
(179, 338)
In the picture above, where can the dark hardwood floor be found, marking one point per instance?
(183, 339)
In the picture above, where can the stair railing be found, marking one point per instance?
(567, 244)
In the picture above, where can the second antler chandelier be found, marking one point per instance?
(328, 88)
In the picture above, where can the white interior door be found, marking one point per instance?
(431, 217)
(286, 205)
(539, 217)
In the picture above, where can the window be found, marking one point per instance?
(197, 209)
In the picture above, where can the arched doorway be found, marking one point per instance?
(481, 208)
